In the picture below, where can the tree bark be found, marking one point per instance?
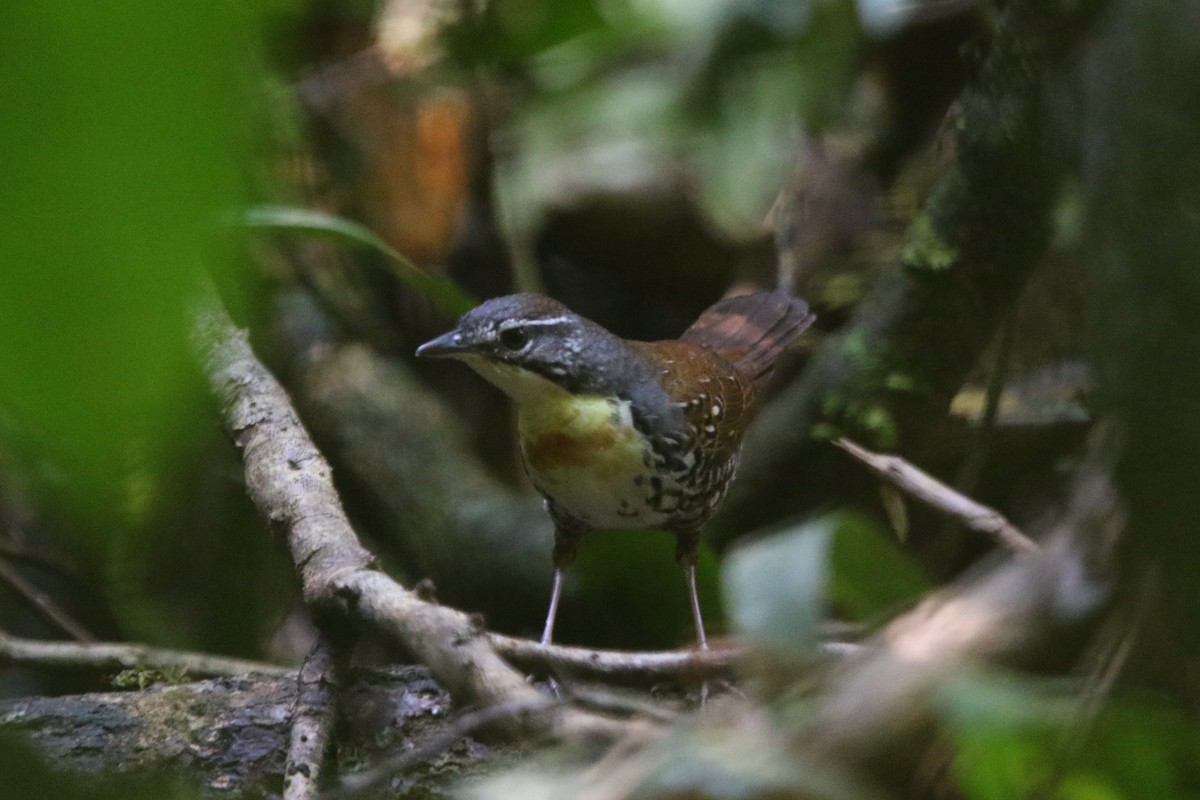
(230, 735)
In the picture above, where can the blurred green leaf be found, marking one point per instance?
(506, 35)
(443, 291)
(1145, 749)
(1005, 733)
(745, 762)
(775, 588)
(771, 74)
(124, 141)
(527, 27)
(870, 573)
(626, 96)
(1020, 737)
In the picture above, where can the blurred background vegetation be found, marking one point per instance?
(350, 175)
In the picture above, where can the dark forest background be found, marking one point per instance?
(993, 208)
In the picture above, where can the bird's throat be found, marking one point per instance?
(573, 431)
(585, 453)
(582, 451)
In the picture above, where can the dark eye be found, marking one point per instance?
(514, 338)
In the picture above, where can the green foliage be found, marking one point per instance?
(1019, 738)
(775, 589)
(868, 418)
(863, 407)
(924, 249)
(622, 94)
(869, 573)
(741, 764)
(514, 31)
(443, 291)
(127, 142)
(778, 589)
(123, 144)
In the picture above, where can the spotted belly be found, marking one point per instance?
(589, 459)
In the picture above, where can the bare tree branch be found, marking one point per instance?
(434, 505)
(117, 657)
(312, 721)
(43, 603)
(929, 489)
(230, 734)
(616, 665)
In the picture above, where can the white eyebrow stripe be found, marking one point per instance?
(534, 322)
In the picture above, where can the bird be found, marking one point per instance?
(616, 433)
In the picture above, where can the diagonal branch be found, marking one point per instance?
(1037, 612)
(44, 604)
(291, 484)
(929, 489)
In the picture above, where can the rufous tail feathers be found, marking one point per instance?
(750, 331)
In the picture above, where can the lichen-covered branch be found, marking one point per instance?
(231, 734)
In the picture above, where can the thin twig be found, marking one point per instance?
(638, 667)
(116, 657)
(617, 665)
(42, 557)
(364, 780)
(312, 722)
(626, 703)
(929, 489)
(44, 604)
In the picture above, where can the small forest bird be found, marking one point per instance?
(625, 434)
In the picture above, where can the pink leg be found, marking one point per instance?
(689, 572)
(555, 593)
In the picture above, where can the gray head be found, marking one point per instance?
(533, 334)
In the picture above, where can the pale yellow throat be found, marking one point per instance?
(581, 450)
